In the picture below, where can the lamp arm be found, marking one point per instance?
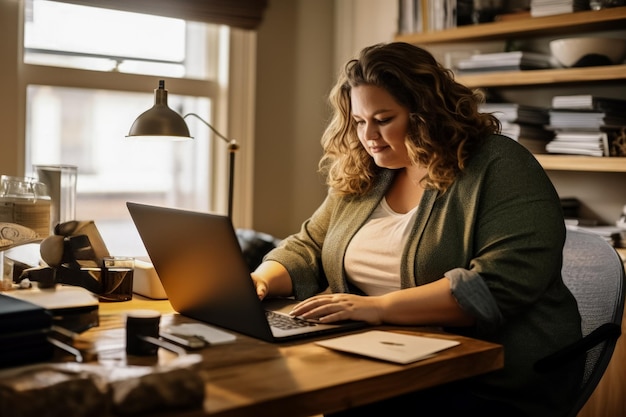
(231, 142)
(232, 148)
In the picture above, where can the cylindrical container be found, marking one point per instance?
(60, 181)
(140, 324)
(117, 278)
(25, 201)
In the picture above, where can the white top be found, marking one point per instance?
(373, 256)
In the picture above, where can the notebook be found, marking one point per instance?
(204, 274)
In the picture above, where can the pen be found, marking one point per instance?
(384, 342)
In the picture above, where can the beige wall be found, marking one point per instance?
(294, 74)
(11, 149)
(301, 44)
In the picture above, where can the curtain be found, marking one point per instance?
(243, 14)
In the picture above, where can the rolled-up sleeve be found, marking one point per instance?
(473, 295)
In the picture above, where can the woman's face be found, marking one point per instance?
(382, 125)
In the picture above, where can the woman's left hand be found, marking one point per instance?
(328, 308)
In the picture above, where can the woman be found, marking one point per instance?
(433, 218)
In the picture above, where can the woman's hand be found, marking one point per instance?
(328, 308)
(262, 287)
(271, 279)
(425, 305)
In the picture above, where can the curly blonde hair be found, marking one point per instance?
(445, 125)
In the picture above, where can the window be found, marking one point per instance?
(85, 86)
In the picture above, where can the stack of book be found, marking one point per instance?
(505, 61)
(416, 16)
(585, 124)
(579, 143)
(524, 124)
(552, 7)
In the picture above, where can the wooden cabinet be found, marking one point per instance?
(599, 181)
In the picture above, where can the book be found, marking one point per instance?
(588, 102)
(540, 8)
(527, 131)
(505, 61)
(514, 112)
(515, 56)
(591, 144)
(408, 18)
(567, 119)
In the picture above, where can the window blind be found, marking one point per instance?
(243, 14)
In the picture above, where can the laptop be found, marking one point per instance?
(199, 261)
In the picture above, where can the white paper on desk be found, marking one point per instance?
(210, 334)
(389, 346)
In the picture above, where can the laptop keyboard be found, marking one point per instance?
(286, 322)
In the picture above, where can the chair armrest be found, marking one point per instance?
(572, 351)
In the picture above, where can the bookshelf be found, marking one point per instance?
(526, 27)
(582, 163)
(585, 21)
(604, 74)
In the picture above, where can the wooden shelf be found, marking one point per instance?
(582, 163)
(604, 73)
(585, 21)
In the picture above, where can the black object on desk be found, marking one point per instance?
(24, 329)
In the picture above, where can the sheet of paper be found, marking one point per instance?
(389, 346)
(210, 334)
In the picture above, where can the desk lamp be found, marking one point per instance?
(164, 123)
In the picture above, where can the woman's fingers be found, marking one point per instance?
(326, 307)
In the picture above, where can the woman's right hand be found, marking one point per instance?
(262, 288)
(274, 273)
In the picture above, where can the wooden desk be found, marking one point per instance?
(253, 378)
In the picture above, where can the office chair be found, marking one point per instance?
(255, 245)
(594, 273)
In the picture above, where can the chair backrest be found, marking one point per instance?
(594, 273)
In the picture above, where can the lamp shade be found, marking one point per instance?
(160, 120)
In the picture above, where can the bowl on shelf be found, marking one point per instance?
(588, 52)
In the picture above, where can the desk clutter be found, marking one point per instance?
(23, 332)
(77, 390)
(101, 380)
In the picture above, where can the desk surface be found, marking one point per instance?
(252, 377)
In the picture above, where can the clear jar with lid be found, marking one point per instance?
(25, 201)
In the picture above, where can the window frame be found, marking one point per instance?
(233, 107)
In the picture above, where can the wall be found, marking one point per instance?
(293, 74)
(299, 45)
(11, 150)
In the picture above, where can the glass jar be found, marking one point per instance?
(25, 201)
